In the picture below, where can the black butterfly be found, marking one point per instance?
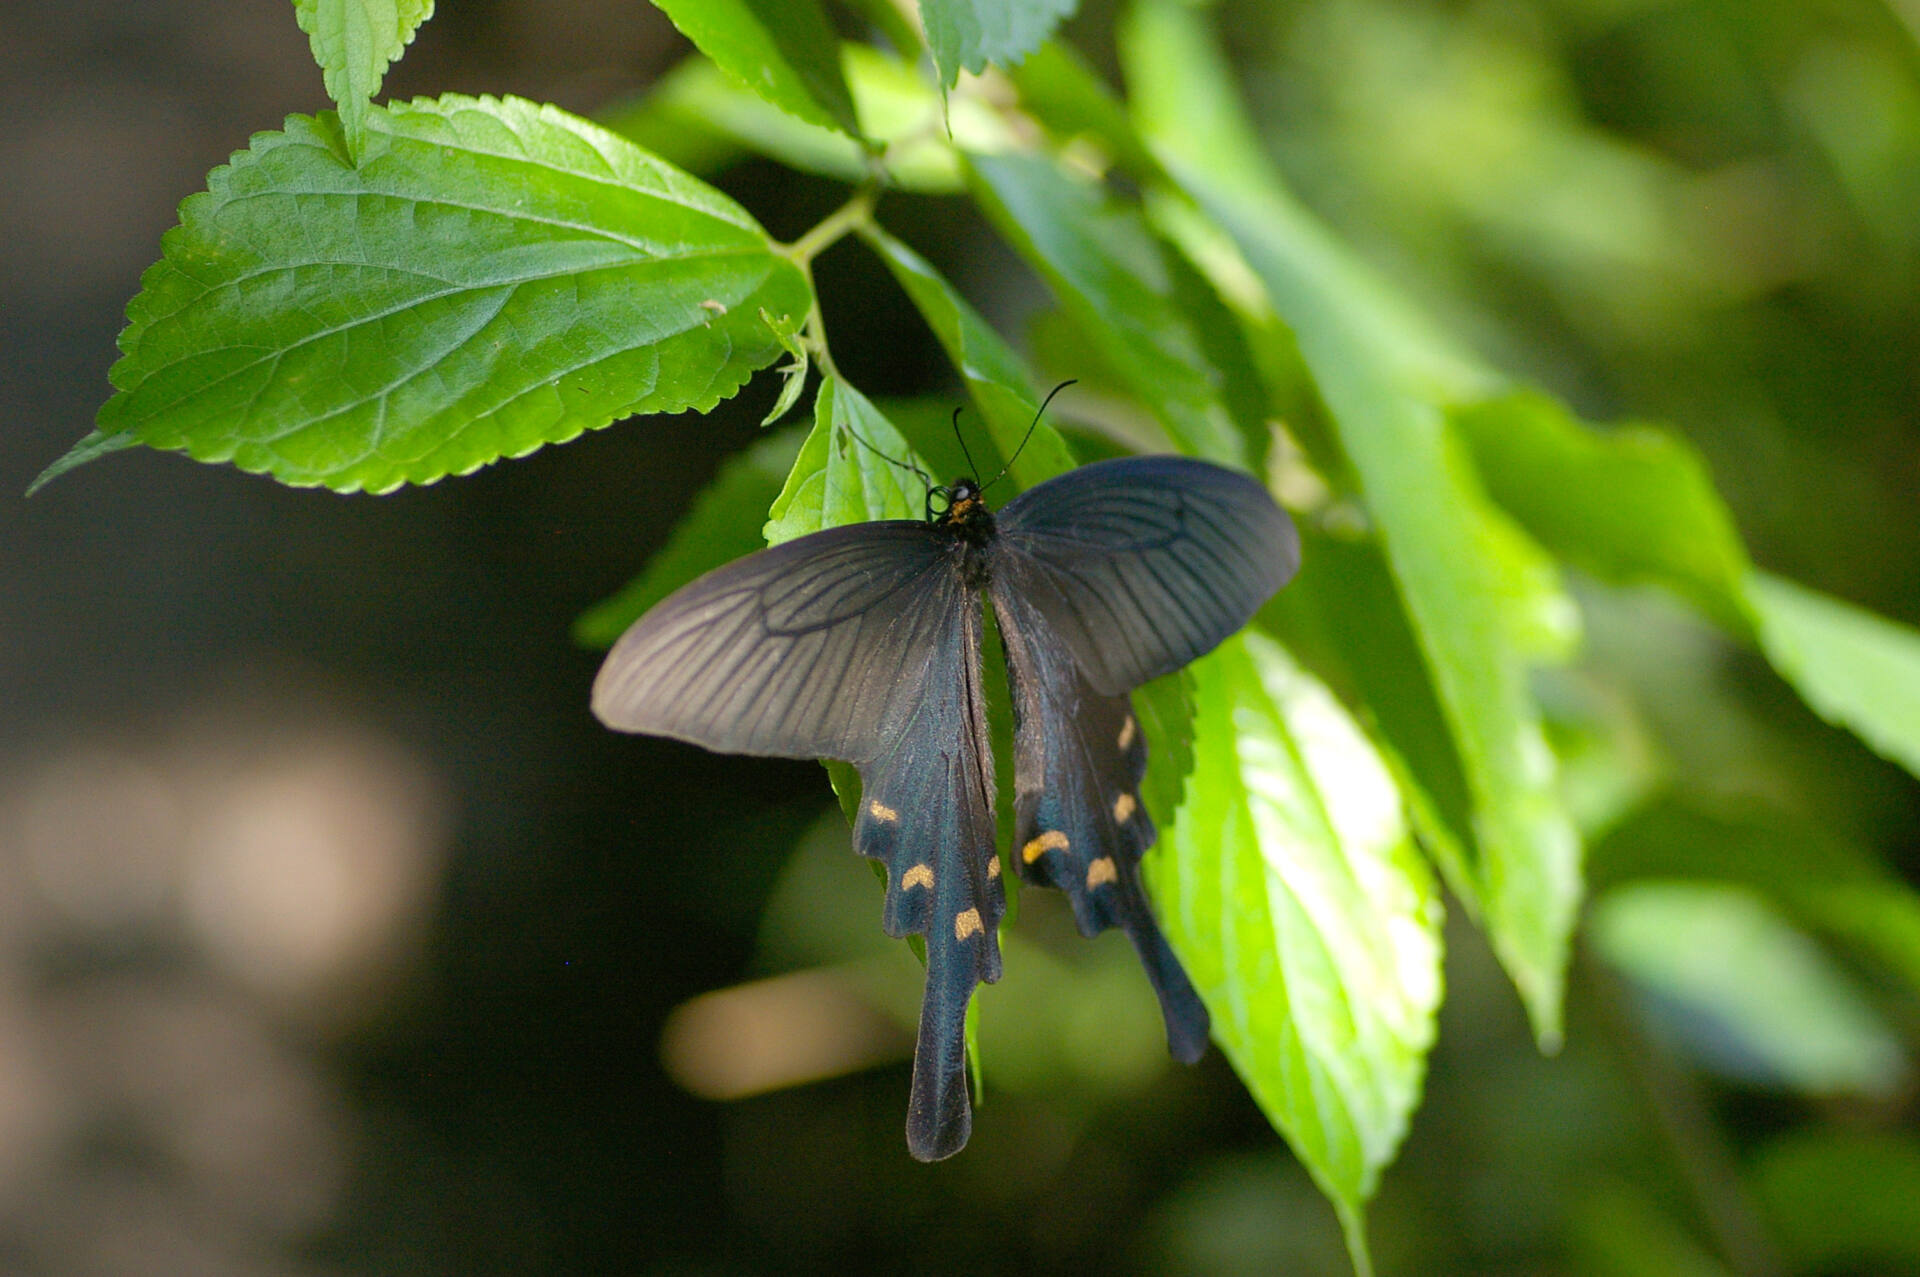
(863, 643)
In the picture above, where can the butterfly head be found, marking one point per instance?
(961, 511)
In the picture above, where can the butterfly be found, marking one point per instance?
(862, 643)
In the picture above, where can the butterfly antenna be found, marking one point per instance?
(925, 478)
(1039, 413)
(961, 439)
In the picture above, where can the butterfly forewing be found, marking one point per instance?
(1141, 565)
(811, 649)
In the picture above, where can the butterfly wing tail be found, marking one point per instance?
(943, 883)
(1188, 1024)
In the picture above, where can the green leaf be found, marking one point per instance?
(1843, 1201)
(838, 478)
(994, 375)
(1164, 709)
(1745, 991)
(1292, 891)
(92, 446)
(972, 33)
(1857, 670)
(494, 276)
(355, 41)
(700, 118)
(1826, 883)
(724, 524)
(1633, 505)
(1483, 601)
(1061, 91)
(1636, 506)
(784, 50)
(793, 374)
(1114, 278)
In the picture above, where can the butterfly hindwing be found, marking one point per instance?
(1142, 564)
(926, 812)
(1079, 824)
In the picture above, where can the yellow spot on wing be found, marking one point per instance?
(918, 876)
(1101, 870)
(1052, 840)
(1127, 731)
(993, 867)
(967, 924)
(1123, 807)
(883, 813)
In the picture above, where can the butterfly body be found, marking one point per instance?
(863, 643)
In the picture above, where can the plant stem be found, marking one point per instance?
(849, 217)
(1707, 1165)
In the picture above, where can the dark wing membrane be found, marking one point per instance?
(862, 643)
(926, 812)
(1142, 564)
(1079, 824)
(809, 649)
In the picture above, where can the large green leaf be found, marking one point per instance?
(493, 276)
(972, 33)
(993, 373)
(1483, 600)
(355, 41)
(1292, 891)
(1116, 281)
(726, 522)
(784, 50)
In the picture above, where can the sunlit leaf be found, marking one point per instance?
(725, 522)
(1482, 600)
(355, 41)
(1745, 992)
(1116, 280)
(971, 33)
(1292, 891)
(784, 50)
(493, 276)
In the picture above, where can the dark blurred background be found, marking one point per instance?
(336, 937)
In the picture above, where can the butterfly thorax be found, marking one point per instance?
(968, 525)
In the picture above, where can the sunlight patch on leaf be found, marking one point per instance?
(1291, 889)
